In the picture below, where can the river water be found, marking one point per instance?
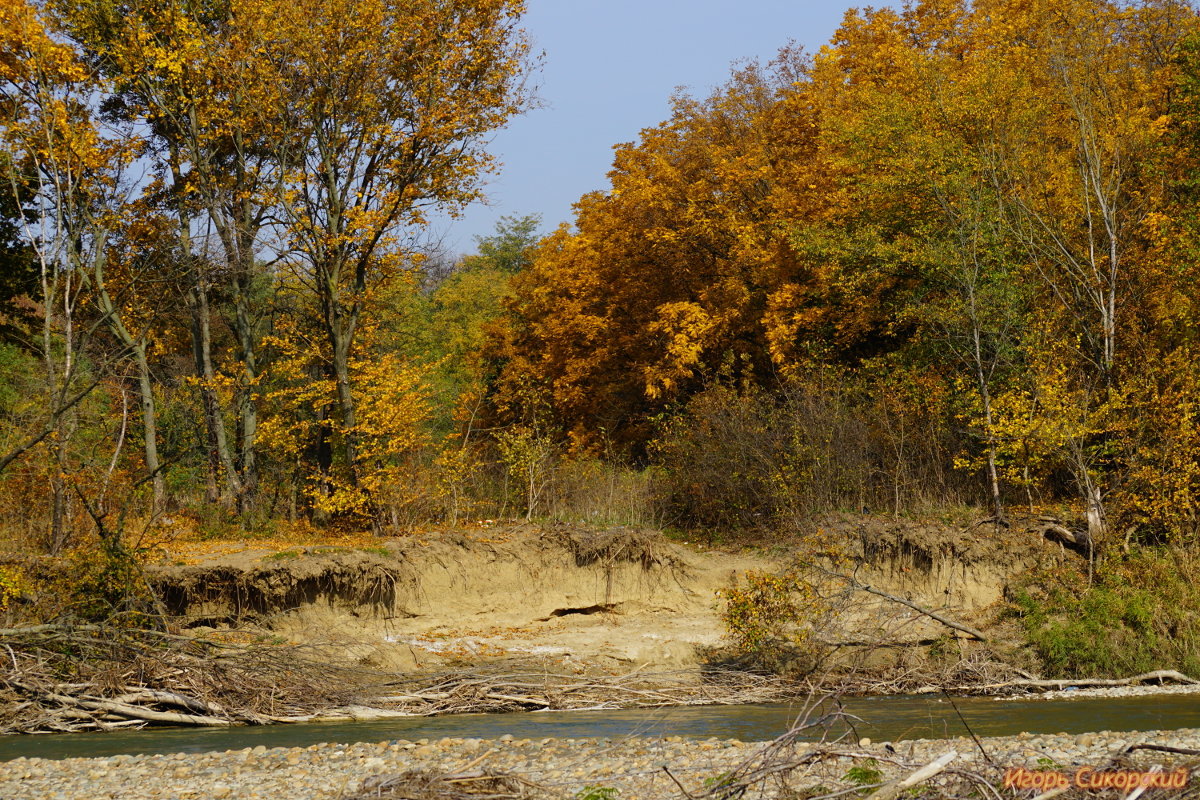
(880, 718)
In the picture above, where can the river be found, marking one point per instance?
(880, 718)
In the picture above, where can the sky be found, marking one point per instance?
(609, 70)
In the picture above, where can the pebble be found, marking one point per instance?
(632, 765)
(1105, 691)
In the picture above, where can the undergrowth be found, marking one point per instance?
(1139, 615)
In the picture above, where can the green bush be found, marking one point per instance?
(597, 793)
(865, 774)
(1138, 616)
(104, 580)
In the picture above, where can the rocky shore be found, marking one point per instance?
(1106, 691)
(564, 767)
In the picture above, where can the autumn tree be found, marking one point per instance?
(914, 135)
(1158, 495)
(388, 105)
(198, 77)
(665, 277)
(466, 308)
(64, 173)
(18, 268)
(1079, 165)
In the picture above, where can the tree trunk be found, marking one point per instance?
(247, 409)
(136, 346)
(340, 327)
(238, 222)
(150, 428)
(985, 397)
(220, 462)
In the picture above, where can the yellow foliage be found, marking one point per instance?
(767, 615)
(12, 583)
(390, 409)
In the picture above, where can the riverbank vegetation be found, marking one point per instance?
(946, 264)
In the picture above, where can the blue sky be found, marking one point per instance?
(609, 70)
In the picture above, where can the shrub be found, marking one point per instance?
(105, 579)
(768, 620)
(1138, 616)
(597, 793)
(737, 459)
(722, 456)
(12, 584)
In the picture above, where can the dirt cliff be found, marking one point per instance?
(570, 597)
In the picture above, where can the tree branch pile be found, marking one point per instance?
(63, 678)
(462, 692)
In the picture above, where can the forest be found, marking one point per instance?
(948, 260)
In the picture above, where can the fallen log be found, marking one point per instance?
(137, 712)
(170, 698)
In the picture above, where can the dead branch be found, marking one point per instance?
(889, 791)
(1163, 748)
(862, 587)
(90, 677)
(479, 691)
(1160, 675)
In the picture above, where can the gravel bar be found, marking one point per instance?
(1105, 691)
(632, 765)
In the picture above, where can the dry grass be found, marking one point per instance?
(462, 785)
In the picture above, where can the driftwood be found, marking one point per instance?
(1163, 748)
(462, 692)
(1159, 675)
(67, 678)
(462, 785)
(137, 712)
(63, 678)
(889, 791)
